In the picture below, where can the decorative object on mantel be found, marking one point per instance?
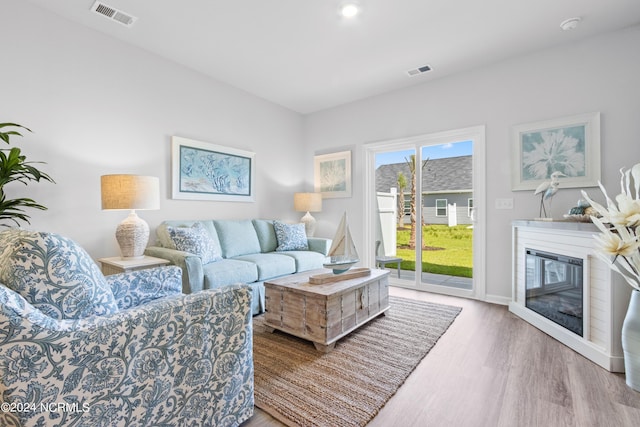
(14, 167)
(547, 190)
(582, 212)
(342, 254)
(620, 239)
(131, 192)
(308, 202)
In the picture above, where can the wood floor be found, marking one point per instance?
(493, 369)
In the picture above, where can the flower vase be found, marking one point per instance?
(631, 342)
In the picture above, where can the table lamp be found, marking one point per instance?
(308, 202)
(131, 192)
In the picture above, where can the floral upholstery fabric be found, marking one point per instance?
(195, 240)
(140, 287)
(291, 237)
(181, 360)
(54, 274)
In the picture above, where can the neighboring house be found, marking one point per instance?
(444, 182)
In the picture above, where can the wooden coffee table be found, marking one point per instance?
(325, 313)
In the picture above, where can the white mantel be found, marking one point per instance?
(605, 295)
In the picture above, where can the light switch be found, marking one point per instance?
(504, 203)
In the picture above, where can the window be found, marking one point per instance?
(407, 206)
(441, 207)
(469, 207)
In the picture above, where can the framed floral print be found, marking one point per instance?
(570, 145)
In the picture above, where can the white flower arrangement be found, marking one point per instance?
(618, 244)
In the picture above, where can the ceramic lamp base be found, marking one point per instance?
(309, 224)
(132, 235)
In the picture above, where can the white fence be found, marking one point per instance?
(387, 221)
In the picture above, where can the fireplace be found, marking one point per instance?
(563, 289)
(553, 284)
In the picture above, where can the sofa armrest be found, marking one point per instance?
(191, 265)
(141, 286)
(185, 359)
(319, 244)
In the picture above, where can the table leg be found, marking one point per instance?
(324, 348)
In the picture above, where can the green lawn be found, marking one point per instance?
(452, 257)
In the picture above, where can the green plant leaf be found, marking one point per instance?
(14, 167)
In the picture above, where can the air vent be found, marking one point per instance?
(419, 70)
(113, 14)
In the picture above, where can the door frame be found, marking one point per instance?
(477, 135)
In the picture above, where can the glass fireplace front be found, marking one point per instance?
(554, 288)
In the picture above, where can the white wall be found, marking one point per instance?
(98, 106)
(599, 74)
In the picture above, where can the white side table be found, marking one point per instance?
(115, 265)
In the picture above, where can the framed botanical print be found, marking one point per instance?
(570, 145)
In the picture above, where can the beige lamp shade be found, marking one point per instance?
(131, 192)
(307, 202)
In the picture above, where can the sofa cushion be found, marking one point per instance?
(195, 240)
(54, 274)
(291, 237)
(270, 265)
(237, 237)
(306, 260)
(266, 235)
(164, 239)
(227, 272)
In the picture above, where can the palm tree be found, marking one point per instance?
(402, 184)
(411, 162)
(15, 168)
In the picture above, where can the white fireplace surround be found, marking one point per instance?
(605, 295)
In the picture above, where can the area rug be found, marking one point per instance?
(300, 386)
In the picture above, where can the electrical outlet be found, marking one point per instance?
(504, 203)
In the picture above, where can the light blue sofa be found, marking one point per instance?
(248, 250)
(81, 349)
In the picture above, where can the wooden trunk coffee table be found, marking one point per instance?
(325, 313)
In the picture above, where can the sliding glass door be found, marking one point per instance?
(424, 210)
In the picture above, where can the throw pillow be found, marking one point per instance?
(291, 237)
(195, 240)
(54, 274)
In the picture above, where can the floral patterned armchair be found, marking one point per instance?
(80, 349)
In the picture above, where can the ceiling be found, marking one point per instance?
(300, 54)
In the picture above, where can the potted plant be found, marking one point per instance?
(14, 167)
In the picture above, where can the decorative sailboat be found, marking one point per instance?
(342, 256)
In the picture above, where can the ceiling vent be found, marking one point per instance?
(419, 70)
(113, 14)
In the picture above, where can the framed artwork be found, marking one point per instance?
(570, 145)
(204, 171)
(332, 174)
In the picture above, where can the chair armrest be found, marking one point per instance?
(141, 286)
(183, 359)
(319, 244)
(191, 265)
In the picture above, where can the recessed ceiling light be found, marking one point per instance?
(349, 9)
(570, 24)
